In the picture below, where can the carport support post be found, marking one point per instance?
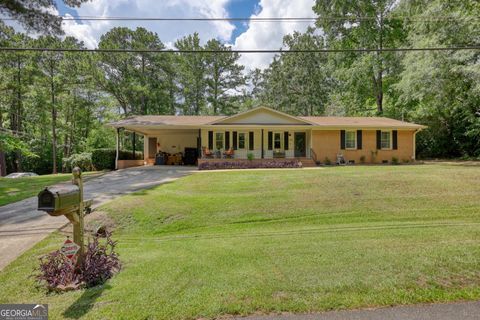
(133, 142)
(78, 225)
(117, 147)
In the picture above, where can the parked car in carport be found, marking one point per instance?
(15, 175)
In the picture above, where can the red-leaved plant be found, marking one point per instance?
(57, 270)
(100, 261)
(99, 264)
(249, 165)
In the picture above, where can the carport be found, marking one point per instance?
(172, 135)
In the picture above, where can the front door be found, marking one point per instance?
(152, 147)
(300, 144)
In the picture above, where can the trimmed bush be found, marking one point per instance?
(104, 159)
(81, 160)
(249, 165)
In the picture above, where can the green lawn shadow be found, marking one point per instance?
(85, 302)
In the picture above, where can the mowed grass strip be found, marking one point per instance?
(12, 190)
(241, 242)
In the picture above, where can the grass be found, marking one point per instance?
(12, 190)
(217, 243)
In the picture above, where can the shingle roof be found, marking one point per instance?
(168, 120)
(360, 122)
(152, 120)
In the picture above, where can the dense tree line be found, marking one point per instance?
(58, 102)
(55, 104)
(437, 88)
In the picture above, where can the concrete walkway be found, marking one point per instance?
(440, 311)
(22, 226)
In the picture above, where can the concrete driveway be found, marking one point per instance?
(22, 226)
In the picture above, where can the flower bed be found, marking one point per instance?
(217, 165)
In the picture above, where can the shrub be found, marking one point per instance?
(99, 264)
(362, 159)
(250, 156)
(249, 165)
(327, 161)
(57, 270)
(105, 158)
(81, 160)
(395, 160)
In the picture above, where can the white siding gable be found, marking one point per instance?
(262, 116)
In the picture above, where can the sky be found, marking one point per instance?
(240, 35)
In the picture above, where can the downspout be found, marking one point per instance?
(414, 156)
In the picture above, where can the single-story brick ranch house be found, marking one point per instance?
(265, 134)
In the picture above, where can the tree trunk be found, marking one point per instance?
(3, 163)
(65, 143)
(172, 94)
(379, 92)
(216, 80)
(144, 107)
(54, 121)
(18, 154)
(379, 76)
(15, 113)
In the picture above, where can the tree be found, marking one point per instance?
(16, 71)
(367, 24)
(192, 75)
(36, 15)
(54, 77)
(9, 143)
(140, 82)
(442, 89)
(225, 78)
(298, 83)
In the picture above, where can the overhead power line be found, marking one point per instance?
(240, 51)
(261, 19)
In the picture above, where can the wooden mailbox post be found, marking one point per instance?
(76, 217)
(68, 201)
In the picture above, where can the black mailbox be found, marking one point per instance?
(56, 200)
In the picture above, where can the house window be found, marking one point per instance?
(277, 140)
(351, 140)
(219, 141)
(386, 140)
(241, 140)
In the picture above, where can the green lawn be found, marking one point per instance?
(12, 190)
(217, 243)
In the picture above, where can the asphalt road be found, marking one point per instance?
(22, 225)
(439, 311)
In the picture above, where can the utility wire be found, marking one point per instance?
(456, 48)
(261, 19)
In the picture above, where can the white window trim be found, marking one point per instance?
(215, 140)
(245, 145)
(282, 147)
(354, 137)
(391, 140)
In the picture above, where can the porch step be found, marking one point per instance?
(307, 162)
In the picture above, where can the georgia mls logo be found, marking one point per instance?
(23, 311)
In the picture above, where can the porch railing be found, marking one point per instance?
(313, 155)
